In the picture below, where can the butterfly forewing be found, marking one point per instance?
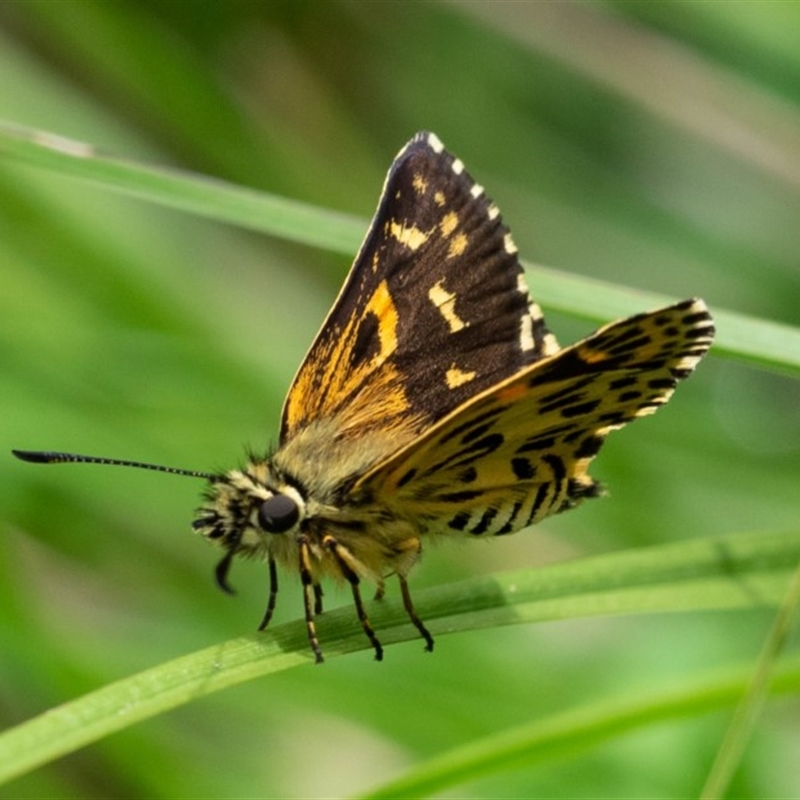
(521, 449)
(434, 310)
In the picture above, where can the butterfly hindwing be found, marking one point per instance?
(521, 450)
(435, 308)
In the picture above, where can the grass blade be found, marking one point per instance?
(738, 734)
(740, 571)
(755, 341)
(578, 729)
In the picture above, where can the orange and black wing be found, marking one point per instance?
(434, 311)
(521, 450)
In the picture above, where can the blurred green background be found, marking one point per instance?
(654, 145)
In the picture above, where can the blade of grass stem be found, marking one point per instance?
(755, 341)
(741, 571)
(747, 711)
(565, 733)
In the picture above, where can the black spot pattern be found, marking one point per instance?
(469, 475)
(523, 468)
(541, 443)
(589, 447)
(460, 521)
(484, 522)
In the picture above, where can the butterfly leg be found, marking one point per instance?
(273, 594)
(222, 569)
(309, 596)
(380, 590)
(342, 556)
(317, 599)
(409, 607)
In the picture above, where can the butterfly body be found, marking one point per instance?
(434, 401)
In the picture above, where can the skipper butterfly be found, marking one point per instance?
(434, 401)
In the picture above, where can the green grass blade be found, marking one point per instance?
(578, 729)
(755, 341)
(738, 734)
(759, 342)
(729, 572)
(205, 197)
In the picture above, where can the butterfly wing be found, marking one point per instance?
(435, 308)
(521, 450)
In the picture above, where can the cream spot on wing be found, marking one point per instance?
(457, 377)
(449, 223)
(435, 143)
(476, 190)
(439, 199)
(420, 184)
(458, 166)
(446, 303)
(550, 344)
(508, 244)
(526, 334)
(412, 237)
(458, 245)
(494, 211)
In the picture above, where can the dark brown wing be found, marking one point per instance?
(435, 308)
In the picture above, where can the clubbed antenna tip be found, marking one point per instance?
(47, 457)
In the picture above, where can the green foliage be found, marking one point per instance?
(640, 152)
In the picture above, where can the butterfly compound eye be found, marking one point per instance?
(278, 514)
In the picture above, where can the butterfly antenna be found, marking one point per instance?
(44, 457)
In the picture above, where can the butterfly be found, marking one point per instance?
(433, 402)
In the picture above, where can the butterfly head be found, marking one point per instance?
(249, 511)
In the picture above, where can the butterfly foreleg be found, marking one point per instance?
(311, 596)
(273, 593)
(222, 569)
(412, 614)
(346, 564)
